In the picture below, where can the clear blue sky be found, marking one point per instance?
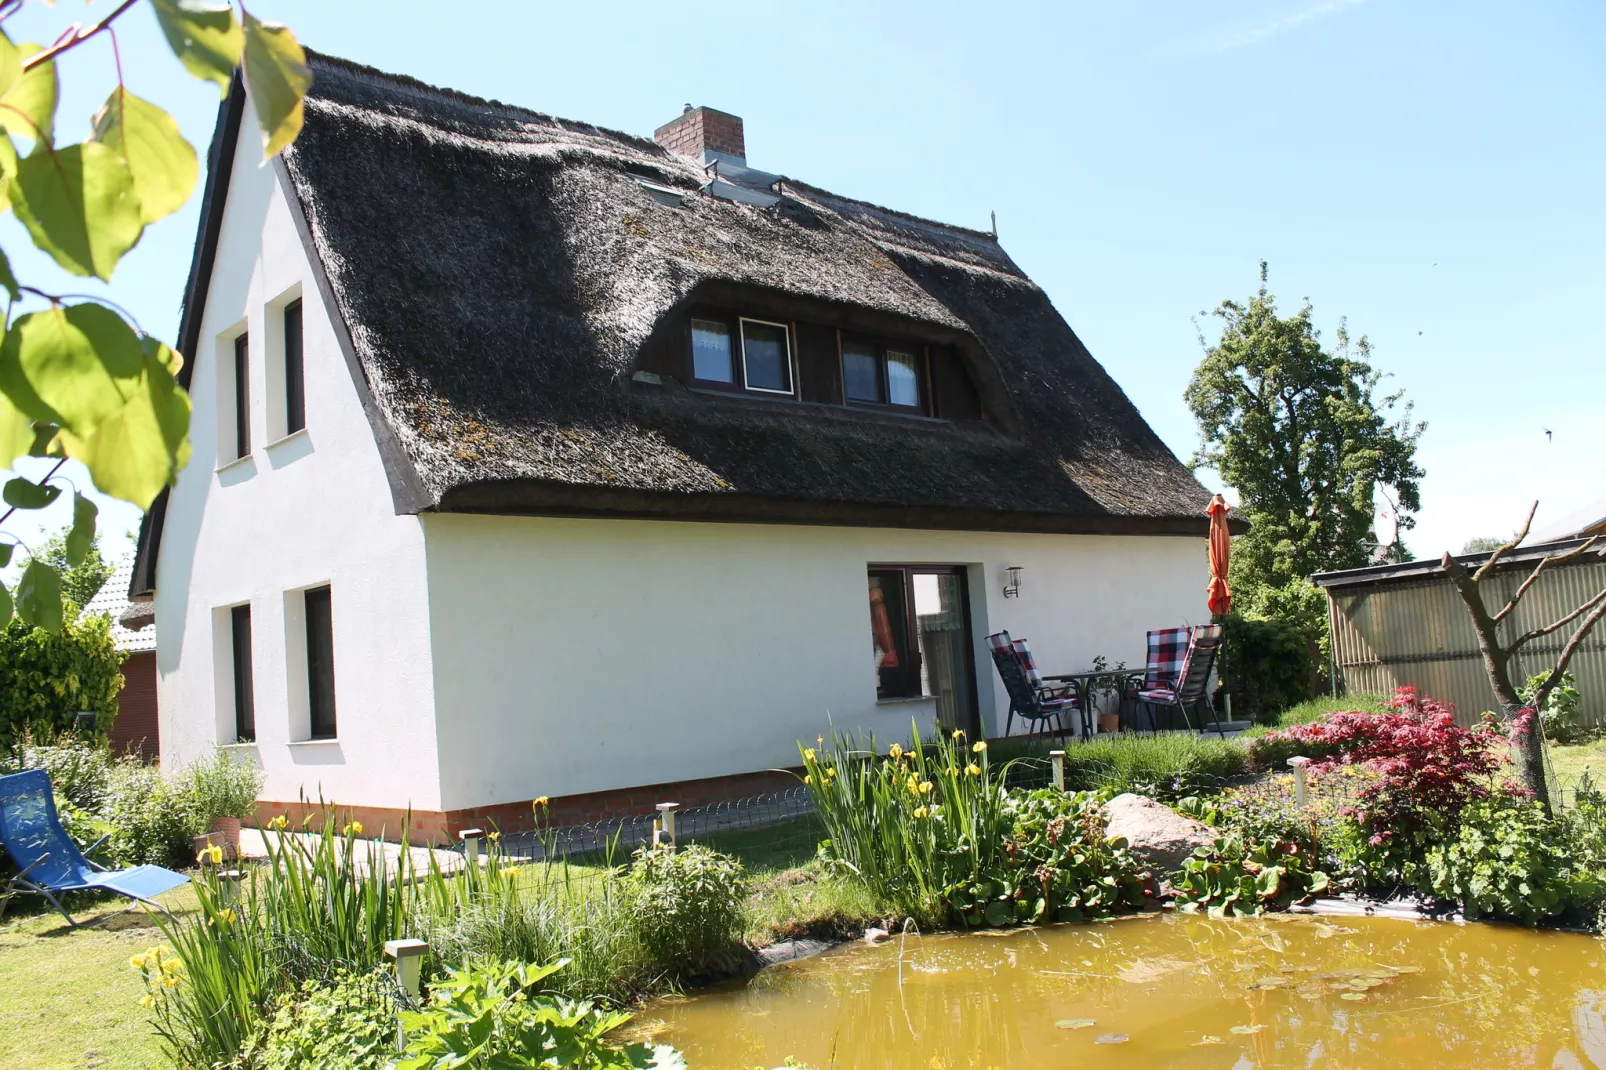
(1434, 172)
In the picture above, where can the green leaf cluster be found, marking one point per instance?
(348, 1023)
(1509, 859)
(690, 909)
(1239, 875)
(78, 380)
(1303, 434)
(48, 677)
(492, 1015)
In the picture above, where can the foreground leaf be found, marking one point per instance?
(135, 453)
(204, 37)
(39, 597)
(79, 206)
(29, 105)
(163, 164)
(81, 537)
(16, 434)
(20, 493)
(5, 553)
(276, 74)
(75, 365)
(10, 64)
(5, 599)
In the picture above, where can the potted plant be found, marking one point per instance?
(1105, 694)
(225, 789)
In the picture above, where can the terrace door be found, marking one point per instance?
(920, 630)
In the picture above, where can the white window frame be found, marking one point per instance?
(791, 368)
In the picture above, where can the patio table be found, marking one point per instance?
(1083, 683)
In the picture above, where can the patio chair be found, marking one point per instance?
(50, 863)
(1190, 684)
(1029, 698)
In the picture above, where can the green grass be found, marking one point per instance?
(1570, 762)
(1315, 708)
(69, 999)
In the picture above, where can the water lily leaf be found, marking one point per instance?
(1352, 995)
(276, 73)
(1247, 1030)
(1206, 1040)
(163, 164)
(82, 534)
(204, 37)
(1403, 969)
(29, 104)
(1075, 1023)
(1111, 1038)
(79, 206)
(39, 597)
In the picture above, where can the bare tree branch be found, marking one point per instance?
(1568, 651)
(1505, 548)
(1568, 619)
(1529, 582)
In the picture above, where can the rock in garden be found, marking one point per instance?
(1158, 836)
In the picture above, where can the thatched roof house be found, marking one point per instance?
(536, 317)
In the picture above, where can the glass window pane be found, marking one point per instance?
(711, 351)
(861, 372)
(765, 351)
(903, 381)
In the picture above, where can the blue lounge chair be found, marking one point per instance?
(50, 863)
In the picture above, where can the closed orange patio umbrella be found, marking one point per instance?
(1220, 555)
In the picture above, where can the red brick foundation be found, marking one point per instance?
(440, 827)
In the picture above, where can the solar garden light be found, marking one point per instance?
(1298, 765)
(471, 849)
(228, 884)
(409, 956)
(84, 722)
(1057, 757)
(666, 821)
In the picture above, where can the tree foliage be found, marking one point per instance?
(81, 579)
(48, 677)
(77, 379)
(1303, 434)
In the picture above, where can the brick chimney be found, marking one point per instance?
(704, 135)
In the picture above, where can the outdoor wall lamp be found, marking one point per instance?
(1012, 582)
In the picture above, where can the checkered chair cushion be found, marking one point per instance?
(1023, 650)
(1168, 650)
(1158, 694)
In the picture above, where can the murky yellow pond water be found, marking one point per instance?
(1169, 991)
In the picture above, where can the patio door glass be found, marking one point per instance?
(920, 632)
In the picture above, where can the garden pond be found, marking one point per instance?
(1167, 991)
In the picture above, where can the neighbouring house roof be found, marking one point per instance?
(498, 270)
(1590, 520)
(1406, 571)
(113, 601)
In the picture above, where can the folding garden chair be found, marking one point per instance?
(50, 863)
(1029, 698)
(1189, 685)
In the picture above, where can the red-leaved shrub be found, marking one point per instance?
(1429, 766)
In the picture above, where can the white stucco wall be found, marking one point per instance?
(312, 509)
(582, 655)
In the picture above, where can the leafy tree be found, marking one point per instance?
(1301, 434)
(77, 379)
(80, 580)
(47, 677)
(1482, 544)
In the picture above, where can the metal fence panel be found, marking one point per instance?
(1418, 632)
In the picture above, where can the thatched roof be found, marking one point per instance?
(498, 271)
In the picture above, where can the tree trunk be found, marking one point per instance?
(1530, 745)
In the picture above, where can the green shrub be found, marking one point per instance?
(1237, 875)
(492, 1015)
(688, 908)
(80, 770)
(1562, 717)
(1507, 859)
(223, 784)
(47, 678)
(349, 1024)
(153, 819)
(1265, 666)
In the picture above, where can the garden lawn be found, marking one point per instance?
(1571, 761)
(69, 998)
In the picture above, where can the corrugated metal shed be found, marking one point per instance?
(1395, 625)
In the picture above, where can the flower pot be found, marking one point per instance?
(229, 829)
(1109, 722)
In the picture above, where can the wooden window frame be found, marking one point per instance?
(322, 724)
(733, 323)
(295, 375)
(242, 395)
(245, 725)
(791, 357)
(881, 345)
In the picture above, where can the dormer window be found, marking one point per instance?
(883, 373)
(742, 354)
